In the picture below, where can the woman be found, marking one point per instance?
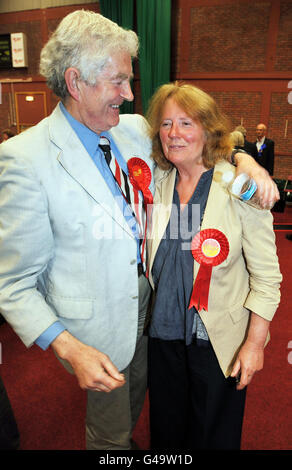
(214, 269)
(237, 139)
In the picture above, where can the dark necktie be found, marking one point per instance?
(106, 149)
(122, 180)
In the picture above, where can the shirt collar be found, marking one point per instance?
(88, 138)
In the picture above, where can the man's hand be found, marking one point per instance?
(267, 191)
(94, 370)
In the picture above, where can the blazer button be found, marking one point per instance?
(133, 261)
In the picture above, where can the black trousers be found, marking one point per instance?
(9, 435)
(192, 405)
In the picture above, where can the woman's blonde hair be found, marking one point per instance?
(237, 138)
(200, 107)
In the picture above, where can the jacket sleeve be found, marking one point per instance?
(26, 246)
(259, 250)
(271, 157)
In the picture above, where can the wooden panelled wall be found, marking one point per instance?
(240, 51)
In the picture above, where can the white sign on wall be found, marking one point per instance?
(19, 50)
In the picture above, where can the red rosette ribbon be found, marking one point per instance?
(210, 248)
(140, 178)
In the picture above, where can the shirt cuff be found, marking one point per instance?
(48, 336)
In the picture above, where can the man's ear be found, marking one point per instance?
(71, 77)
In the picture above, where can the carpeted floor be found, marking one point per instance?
(50, 408)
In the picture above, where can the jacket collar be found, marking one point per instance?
(79, 165)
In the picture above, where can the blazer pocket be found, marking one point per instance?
(73, 309)
(238, 312)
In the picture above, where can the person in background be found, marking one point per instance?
(265, 148)
(7, 134)
(9, 433)
(215, 275)
(72, 272)
(237, 140)
(249, 147)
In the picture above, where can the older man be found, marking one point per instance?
(73, 224)
(265, 148)
(72, 267)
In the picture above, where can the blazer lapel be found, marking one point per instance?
(80, 166)
(161, 213)
(217, 199)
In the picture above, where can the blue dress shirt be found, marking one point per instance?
(90, 141)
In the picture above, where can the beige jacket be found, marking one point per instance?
(247, 281)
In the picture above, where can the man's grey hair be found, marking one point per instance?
(84, 40)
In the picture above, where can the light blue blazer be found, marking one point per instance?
(66, 251)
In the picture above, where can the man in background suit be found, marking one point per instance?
(265, 148)
(72, 261)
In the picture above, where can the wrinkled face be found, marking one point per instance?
(99, 104)
(260, 131)
(181, 137)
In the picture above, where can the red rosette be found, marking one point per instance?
(209, 248)
(140, 177)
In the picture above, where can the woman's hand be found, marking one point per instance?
(250, 358)
(267, 191)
